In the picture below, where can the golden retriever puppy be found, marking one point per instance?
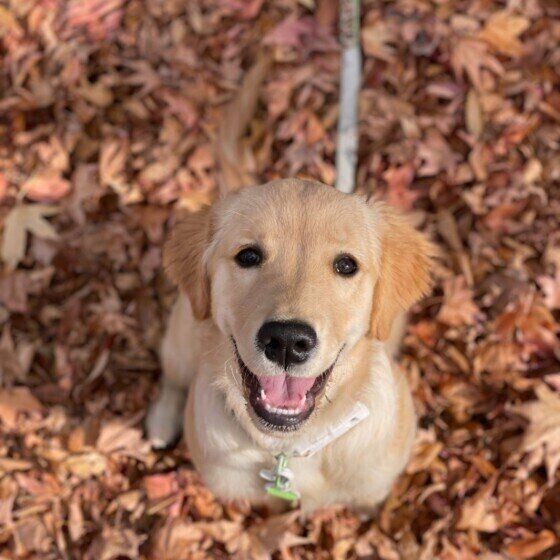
(288, 292)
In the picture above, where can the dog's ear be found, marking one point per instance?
(184, 258)
(403, 271)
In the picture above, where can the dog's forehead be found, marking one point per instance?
(295, 207)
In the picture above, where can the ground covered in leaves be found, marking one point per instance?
(108, 112)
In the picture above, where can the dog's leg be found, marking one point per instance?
(165, 418)
(179, 354)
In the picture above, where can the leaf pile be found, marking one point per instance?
(108, 114)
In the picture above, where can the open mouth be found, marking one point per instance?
(282, 402)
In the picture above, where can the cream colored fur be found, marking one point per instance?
(302, 227)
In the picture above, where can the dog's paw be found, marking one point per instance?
(164, 423)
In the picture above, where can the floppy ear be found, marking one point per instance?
(404, 269)
(183, 259)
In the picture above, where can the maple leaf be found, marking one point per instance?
(21, 220)
(484, 511)
(378, 40)
(399, 180)
(458, 306)
(471, 56)
(435, 155)
(544, 427)
(502, 30)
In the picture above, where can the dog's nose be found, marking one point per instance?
(287, 342)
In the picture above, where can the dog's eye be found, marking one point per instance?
(345, 265)
(251, 256)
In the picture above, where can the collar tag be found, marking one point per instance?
(358, 413)
(279, 480)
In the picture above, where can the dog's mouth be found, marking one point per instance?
(282, 402)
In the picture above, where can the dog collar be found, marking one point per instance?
(279, 479)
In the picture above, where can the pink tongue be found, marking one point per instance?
(285, 391)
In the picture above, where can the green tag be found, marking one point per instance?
(279, 480)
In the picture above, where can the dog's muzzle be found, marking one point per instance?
(281, 402)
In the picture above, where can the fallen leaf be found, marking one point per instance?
(550, 285)
(544, 427)
(481, 511)
(471, 56)
(3, 186)
(85, 465)
(378, 40)
(532, 546)
(46, 187)
(16, 401)
(399, 181)
(22, 219)
(291, 32)
(501, 31)
(473, 114)
(458, 306)
(30, 535)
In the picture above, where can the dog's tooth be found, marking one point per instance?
(263, 395)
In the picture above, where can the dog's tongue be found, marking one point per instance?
(285, 391)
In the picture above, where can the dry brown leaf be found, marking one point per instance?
(3, 186)
(46, 186)
(116, 543)
(458, 306)
(378, 40)
(481, 512)
(471, 56)
(122, 438)
(274, 534)
(85, 465)
(16, 401)
(550, 285)
(112, 161)
(543, 431)
(532, 546)
(473, 114)
(22, 219)
(502, 30)
(30, 535)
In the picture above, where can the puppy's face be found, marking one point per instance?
(294, 273)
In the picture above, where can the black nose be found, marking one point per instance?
(287, 342)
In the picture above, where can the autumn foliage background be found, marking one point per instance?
(108, 113)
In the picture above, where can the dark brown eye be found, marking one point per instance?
(345, 265)
(249, 257)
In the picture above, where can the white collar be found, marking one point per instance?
(356, 414)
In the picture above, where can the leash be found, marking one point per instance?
(279, 479)
(350, 76)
